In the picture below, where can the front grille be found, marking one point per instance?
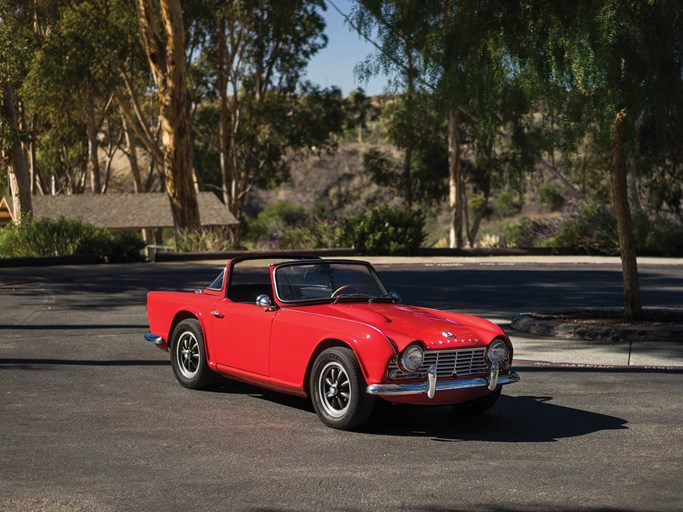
(449, 363)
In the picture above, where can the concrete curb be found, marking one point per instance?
(526, 322)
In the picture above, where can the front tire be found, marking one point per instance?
(337, 389)
(188, 355)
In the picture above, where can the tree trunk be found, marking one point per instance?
(19, 178)
(223, 111)
(131, 150)
(93, 143)
(454, 179)
(168, 67)
(407, 176)
(627, 247)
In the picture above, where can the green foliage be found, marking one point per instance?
(270, 225)
(125, 247)
(507, 203)
(550, 197)
(66, 237)
(658, 236)
(593, 228)
(524, 233)
(208, 240)
(315, 234)
(415, 124)
(360, 110)
(385, 230)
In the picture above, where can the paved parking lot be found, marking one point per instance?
(92, 419)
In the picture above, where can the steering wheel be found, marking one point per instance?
(345, 287)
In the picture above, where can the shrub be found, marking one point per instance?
(657, 236)
(314, 235)
(551, 198)
(203, 241)
(530, 232)
(593, 227)
(271, 223)
(385, 231)
(66, 237)
(507, 204)
(126, 247)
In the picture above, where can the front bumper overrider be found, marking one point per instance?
(431, 386)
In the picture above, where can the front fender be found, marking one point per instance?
(297, 335)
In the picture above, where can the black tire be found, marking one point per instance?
(337, 389)
(188, 356)
(479, 405)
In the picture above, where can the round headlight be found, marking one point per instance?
(497, 352)
(412, 358)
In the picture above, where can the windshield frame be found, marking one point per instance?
(326, 300)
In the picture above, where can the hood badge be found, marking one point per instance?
(453, 339)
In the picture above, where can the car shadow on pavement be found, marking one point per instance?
(234, 387)
(522, 419)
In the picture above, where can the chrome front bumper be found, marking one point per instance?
(431, 386)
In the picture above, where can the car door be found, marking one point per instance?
(242, 336)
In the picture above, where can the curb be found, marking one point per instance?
(525, 322)
(528, 365)
(46, 261)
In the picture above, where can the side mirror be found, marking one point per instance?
(395, 296)
(263, 301)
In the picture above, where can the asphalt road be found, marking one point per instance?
(92, 419)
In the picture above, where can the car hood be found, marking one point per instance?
(404, 324)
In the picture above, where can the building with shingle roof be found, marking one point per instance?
(127, 211)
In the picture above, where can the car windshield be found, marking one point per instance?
(333, 281)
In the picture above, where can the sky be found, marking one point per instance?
(334, 64)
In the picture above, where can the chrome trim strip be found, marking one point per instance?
(154, 338)
(451, 385)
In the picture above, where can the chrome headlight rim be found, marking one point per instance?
(407, 360)
(497, 352)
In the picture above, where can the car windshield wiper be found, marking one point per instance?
(383, 298)
(352, 296)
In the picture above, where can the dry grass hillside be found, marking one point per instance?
(333, 183)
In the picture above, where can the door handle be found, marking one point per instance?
(217, 314)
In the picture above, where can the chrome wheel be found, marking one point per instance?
(188, 354)
(334, 389)
(337, 389)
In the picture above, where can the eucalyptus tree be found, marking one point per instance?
(360, 110)
(620, 64)
(16, 50)
(257, 51)
(165, 51)
(456, 52)
(421, 179)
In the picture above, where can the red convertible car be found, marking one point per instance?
(329, 330)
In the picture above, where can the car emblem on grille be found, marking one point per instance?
(448, 334)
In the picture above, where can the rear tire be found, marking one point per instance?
(188, 355)
(337, 389)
